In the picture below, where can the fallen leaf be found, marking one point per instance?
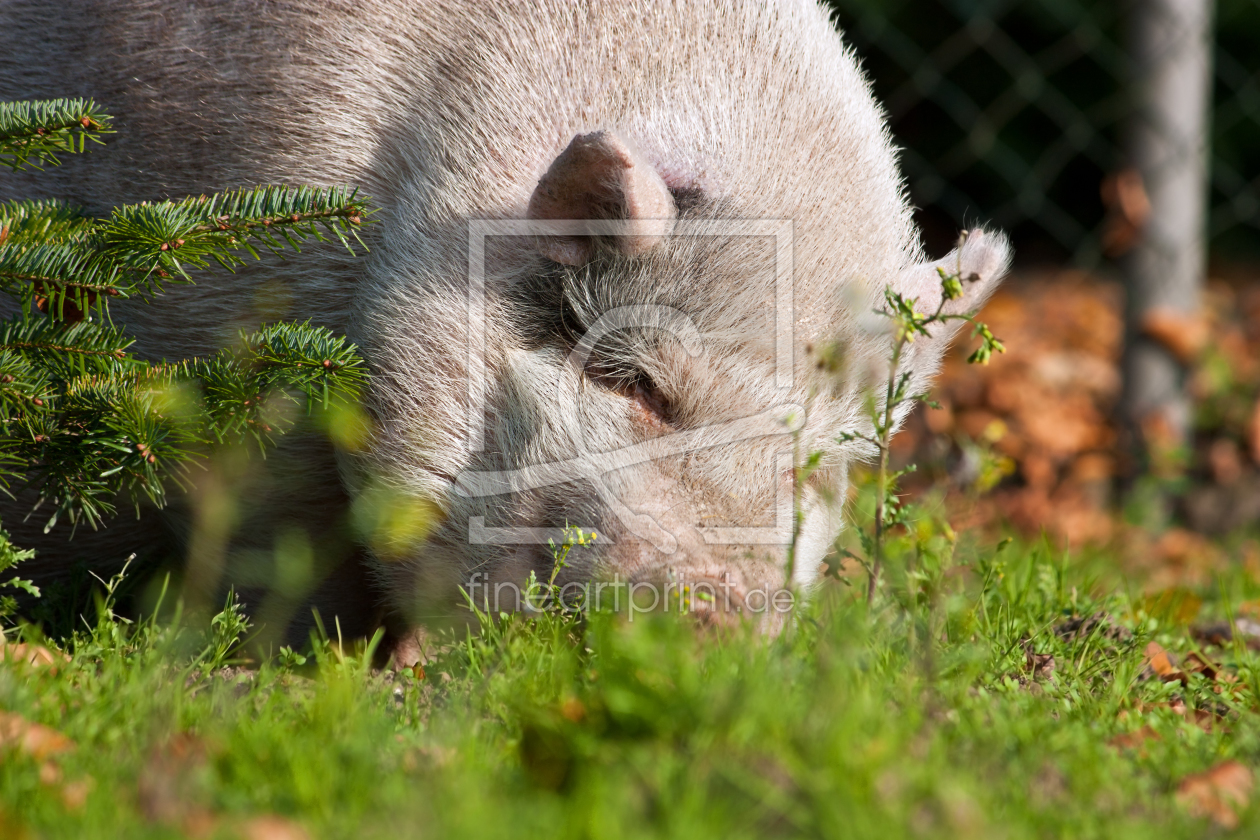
(1196, 664)
(1160, 663)
(1128, 208)
(272, 827)
(33, 739)
(1184, 334)
(36, 655)
(1040, 665)
(1220, 633)
(1218, 793)
(1135, 740)
(74, 794)
(1205, 719)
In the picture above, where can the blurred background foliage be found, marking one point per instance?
(1019, 114)
(1013, 112)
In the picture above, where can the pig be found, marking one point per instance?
(611, 238)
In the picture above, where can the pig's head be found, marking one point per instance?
(631, 344)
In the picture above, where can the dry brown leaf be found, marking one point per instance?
(1219, 793)
(74, 794)
(1160, 662)
(36, 655)
(1184, 334)
(1040, 665)
(272, 827)
(1128, 208)
(573, 710)
(1205, 719)
(170, 788)
(1135, 740)
(1221, 633)
(33, 739)
(1196, 664)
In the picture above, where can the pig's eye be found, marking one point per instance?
(651, 398)
(632, 383)
(626, 379)
(571, 326)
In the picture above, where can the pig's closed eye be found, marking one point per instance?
(633, 384)
(571, 327)
(652, 399)
(628, 380)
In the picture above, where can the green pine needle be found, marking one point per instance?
(174, 236)
(27, 223)
(33, 133)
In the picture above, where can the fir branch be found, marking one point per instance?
(120, 430)
(32, 133)
(69, 347)
(57, 274)
(272, 363)
(23, 385)
(11, 556)
(27, 223)
(141, 247)
(84, 423)
(177, 235)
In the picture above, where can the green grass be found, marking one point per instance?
(849, 725)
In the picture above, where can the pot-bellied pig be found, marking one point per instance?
(611, 237)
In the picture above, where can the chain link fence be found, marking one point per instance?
(1018, 112)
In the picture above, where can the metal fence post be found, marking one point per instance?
(1168, 144)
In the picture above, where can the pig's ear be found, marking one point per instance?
(981, 262)
(599, 176)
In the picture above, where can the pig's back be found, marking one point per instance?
(445, 111)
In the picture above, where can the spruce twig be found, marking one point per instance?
(83, 421)
(33, 133)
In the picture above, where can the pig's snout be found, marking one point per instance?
(716, 600)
